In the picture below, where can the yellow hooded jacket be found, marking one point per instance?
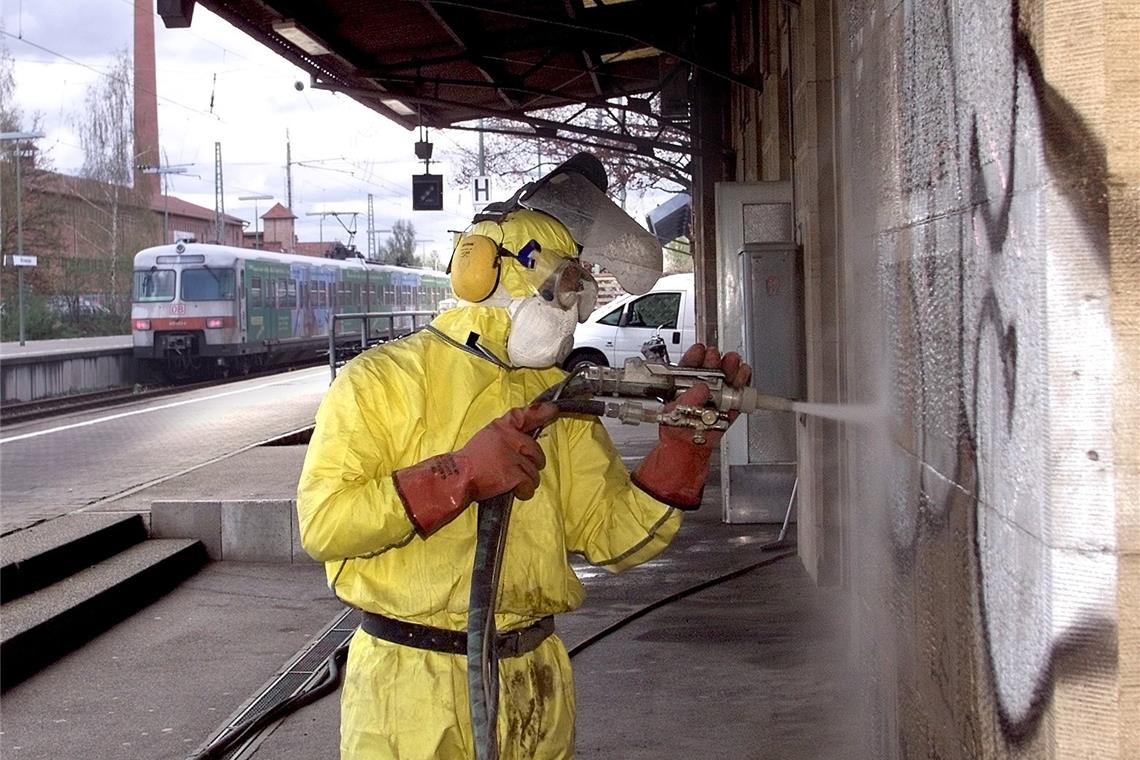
(395, 406)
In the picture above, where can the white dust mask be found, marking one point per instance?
(541, 335)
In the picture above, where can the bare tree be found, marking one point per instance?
(106, 125)
(106, 135)
(400, 248)
(37, 222)
(622, 137)
(38, 215)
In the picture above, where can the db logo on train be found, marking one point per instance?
(177, 308)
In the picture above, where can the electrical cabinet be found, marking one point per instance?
(760, 288)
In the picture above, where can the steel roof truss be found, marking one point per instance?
(492, 74)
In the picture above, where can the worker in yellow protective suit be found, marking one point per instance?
(412, 433)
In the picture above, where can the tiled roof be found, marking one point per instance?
(178, 207)
(278, 212)
(83, 187)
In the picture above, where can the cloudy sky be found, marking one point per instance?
(216, 85)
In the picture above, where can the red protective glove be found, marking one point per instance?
(500, 458)
(676, 470)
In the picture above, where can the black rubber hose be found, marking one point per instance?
(482, 660)
(643, 611)
(580, 406)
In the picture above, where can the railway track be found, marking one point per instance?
(24, 411)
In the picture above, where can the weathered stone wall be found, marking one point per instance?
(967, 183)
(986, 535)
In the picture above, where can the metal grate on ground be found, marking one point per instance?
(302, 671)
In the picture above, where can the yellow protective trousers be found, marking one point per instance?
(401, 702)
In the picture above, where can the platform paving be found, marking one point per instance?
(748, 668)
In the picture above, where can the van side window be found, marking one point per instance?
(612, 319)
(655, 310)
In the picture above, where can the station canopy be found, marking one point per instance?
(449, 63)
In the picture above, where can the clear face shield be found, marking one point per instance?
(609, 237)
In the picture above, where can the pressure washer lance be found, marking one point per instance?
(643, 379)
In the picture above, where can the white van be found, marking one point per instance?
(616, 331)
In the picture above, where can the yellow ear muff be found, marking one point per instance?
(475, 268)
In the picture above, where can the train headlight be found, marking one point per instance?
(214, 322)
(142, 324)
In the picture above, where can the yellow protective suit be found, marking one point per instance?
(395, 406)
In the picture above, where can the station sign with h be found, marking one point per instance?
(481, 189)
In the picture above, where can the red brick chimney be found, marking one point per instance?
(146, 100)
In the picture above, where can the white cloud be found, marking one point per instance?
(215, 84)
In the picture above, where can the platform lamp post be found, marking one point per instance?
(165, 172)
(255, 199)
(20, 260)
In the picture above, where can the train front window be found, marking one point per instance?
(208, 284)
(153, 285)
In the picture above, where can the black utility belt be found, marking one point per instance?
(507, 643)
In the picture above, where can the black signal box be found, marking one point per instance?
(427, 192)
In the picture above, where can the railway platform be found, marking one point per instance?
(42, 369)
(751, 665)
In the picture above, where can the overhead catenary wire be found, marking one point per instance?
(88, 66)
(192, 33)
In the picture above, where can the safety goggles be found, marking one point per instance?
(569, 285)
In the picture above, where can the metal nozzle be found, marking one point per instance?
(631, 413)
(748, 400)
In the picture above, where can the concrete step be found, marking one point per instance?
(41, 555)
(39, 627)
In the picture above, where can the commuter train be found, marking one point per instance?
(199, 310)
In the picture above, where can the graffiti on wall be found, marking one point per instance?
(1001, 345)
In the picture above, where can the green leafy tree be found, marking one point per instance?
(400, 248)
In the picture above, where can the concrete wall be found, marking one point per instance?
(243, 530)
(980, 278)
(35, 377)
(968, 181)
